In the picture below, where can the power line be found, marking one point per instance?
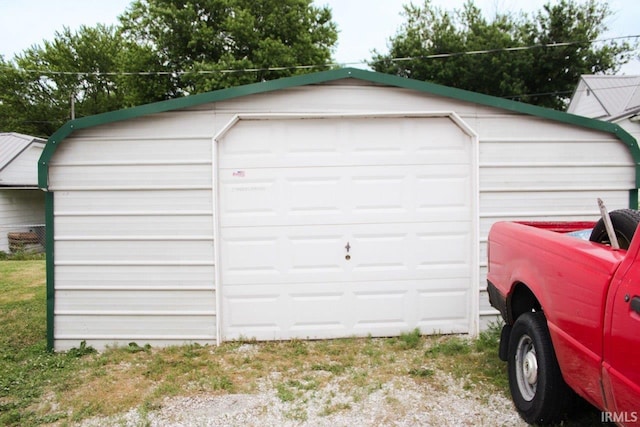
(314, 66)
(334, 65)
(510, 49)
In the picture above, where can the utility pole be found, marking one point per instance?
(73, 106)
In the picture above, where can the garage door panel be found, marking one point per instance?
(343, 142)
(452, 191)
(382, 309)
(319, 253)
(251, 255)
(276, 197)
(345, 309)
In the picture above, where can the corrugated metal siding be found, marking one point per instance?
(632, 127)
(614, 92)
(547, 175)
(530, 168)
(11, 145)
(23, 170)
(585, 103)
(134, 235)
(17, 209)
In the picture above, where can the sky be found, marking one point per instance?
(364, 25)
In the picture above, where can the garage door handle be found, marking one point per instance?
(635, 304)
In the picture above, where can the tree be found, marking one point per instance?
(43, 81)
(209, 44)
(163, 49)
(19, 111)
(432, 43)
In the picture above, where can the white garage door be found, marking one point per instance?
(336, 227)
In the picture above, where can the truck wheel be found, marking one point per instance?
(624, 221)
(537, 388)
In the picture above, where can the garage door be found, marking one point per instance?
(337, 227)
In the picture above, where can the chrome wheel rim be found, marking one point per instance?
(526, 368)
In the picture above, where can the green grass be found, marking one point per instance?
(38, 387)
(22, 256)
(27, 370)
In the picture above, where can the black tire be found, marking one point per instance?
(624, 221)
(539, 393)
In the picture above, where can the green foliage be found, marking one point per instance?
(334, 368)
(546, 75)
(221, 383)
(285, 393)
(421, 372)
(449, 347)
(410, 339)
(158, 52)
(133, 347)
(22, 256)
(83, 350)
(215, 36)
(489, 339)
(41, 81)
(26, 368)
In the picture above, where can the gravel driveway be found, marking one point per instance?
(441, 401)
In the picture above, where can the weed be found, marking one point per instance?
(133, 347)
(284, 393)
(421, 372)
(22, 256)
(411, 339)
(333, 408)
(222, 382)
(83, 350)
(334, 368)
(305, 384)
(297, 414)
(297, 348)
(449, 346)
(490, 338)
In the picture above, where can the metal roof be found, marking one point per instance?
(12, 144)
(618, 95)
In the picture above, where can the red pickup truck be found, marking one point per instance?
(571, 308)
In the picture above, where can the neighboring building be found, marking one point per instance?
(21, 201)
(614, 99)
(335, 204)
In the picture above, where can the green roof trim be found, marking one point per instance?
(323, 77)
(50, 262)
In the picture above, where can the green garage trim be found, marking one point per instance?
(50, 263)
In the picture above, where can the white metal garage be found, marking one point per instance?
(327, 205)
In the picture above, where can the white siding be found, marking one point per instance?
(133, 202)
(632, 127)
(19, 209)
(134, 236)
(23, 170)
(586, 103)
(549, 177)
